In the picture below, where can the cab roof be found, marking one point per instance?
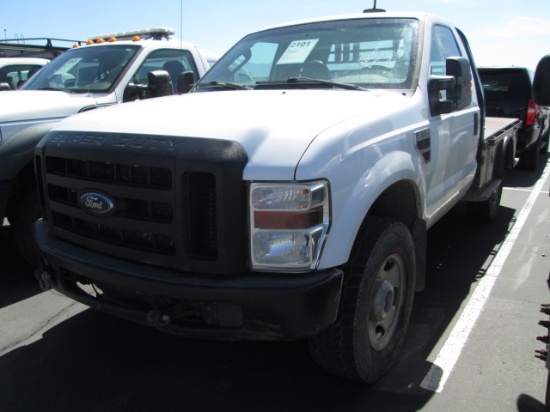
(421, 16)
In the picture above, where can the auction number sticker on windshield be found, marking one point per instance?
(297, 51)
(69, 64)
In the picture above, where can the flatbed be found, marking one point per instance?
(496, 125)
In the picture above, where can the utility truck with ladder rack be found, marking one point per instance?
(108, 70)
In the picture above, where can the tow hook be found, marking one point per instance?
(158, 319)
(44, 278)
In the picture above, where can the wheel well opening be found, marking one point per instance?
(398, 202)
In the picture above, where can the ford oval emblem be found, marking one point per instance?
(97, 204)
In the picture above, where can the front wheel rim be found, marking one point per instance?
(387, 302)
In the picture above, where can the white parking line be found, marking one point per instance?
(445, 361)
(516, 189)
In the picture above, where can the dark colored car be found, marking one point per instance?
(508, 93)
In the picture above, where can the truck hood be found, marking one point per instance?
(275, 127)
(22, 105)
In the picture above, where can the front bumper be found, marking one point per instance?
(255, 306)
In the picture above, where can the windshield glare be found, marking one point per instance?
(86, 69)
(373, 53)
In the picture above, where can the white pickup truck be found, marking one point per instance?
(111, 69)
(14, 71)
(286, 197)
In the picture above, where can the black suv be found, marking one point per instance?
(508, 93)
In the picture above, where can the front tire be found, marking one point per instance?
(545, 141)
(23, 220)
(529, 159)
(375, 306)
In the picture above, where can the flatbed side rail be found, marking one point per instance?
(496, 148)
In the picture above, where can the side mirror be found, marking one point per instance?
(541, 83)
(135, 92)
(130, 93)
(160, 83)
(4, 86)
(459, 68)
(186, 81)
(457, 84)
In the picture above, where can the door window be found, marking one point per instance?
(443, 46)
(174, 61)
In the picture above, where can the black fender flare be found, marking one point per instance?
(15, 155)
(18, 150)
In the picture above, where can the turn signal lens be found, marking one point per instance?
(288, 220)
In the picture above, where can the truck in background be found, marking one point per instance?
(109, 70)
(292, 202)
(36, 47)
(509, 93)
(15, 71)
(20, 57)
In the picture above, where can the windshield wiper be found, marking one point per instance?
(56, 89)
(347, 86)
(234, 86)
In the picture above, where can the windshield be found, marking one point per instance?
(366, 53)
(86, 69)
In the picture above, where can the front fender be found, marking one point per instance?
(18, 150)
(351, 203)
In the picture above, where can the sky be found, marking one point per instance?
(501, 32)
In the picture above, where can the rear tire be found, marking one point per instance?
(375, 306)
(486, 211)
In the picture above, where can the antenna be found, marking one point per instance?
(181, 21)
(374, 9)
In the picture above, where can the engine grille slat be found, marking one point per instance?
(136, 239)
(202, 215)
(125, 174)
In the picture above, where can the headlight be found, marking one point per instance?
(288, 223)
